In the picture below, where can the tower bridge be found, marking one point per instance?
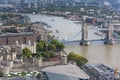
(107, 40)
(84, 35)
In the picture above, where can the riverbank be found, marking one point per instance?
(106, 54)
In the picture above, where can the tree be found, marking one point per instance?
(54, 41)
(38, 76)
(1, 74)
(39, 47)
(3, 16)
(47, 49)
(43, 43)
(23, 73)
(51, 47)
(60, 46)
(42, 46)
(26, 53)
(38, 55)
(45, 55)
(51, 54)
(71, 56)
(80, 60)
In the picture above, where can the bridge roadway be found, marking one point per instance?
(97, 41)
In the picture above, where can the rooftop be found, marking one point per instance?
(16, 34)
(72, 71)
(103, 71)
(99, 67)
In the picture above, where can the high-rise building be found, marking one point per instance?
(22, 2)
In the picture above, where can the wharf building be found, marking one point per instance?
(102, 72)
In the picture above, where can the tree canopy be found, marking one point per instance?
(38, 76)
(26, 53)
(80, 60)
(1, 74)
(47, 49)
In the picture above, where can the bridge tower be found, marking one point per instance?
(109, 37)
(84, 33)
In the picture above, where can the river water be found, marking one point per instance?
(68, 30)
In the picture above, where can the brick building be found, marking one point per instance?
(21, 38)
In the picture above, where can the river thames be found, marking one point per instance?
(95, 53)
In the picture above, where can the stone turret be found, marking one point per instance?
(34, 47)
(63, 59)
(116, 73)
(29, 42)
(37, 62)
(17, 43)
